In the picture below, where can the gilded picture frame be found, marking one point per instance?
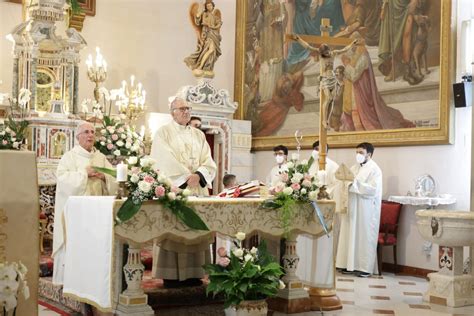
(419, 135)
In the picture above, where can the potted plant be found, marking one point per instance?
(245, 278)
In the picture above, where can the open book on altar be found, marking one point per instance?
(249, 189)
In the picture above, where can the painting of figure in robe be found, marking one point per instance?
(392, 82)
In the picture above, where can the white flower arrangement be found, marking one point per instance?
(12, 281)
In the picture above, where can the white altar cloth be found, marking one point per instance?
(442, 199)
(89, 249)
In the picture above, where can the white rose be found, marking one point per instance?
(253, 251)
(132, 160)
(240, 236)
(102, 143)
(123, 136)
(172, 196)
(290, 165)
(161, 178)
(128, 145)
(248, 257)
(2, 133)
(144, 186)
(238, 252)
(295, 180)
(119, 143)
(16, 145)
(134, 178)
(288, 190)
(147, 162)
(313, 195)
(304, 162)
(103, 131)
(117, 152)
(303, 191)
(8, 130)
(135, 148)
(186, 192)
(13, 139)
(282, 285)
(109, 141)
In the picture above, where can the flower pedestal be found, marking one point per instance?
(134, 301)
(324, 299)
(248, 308)
(293, 298)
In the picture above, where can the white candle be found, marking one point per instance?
(122, 170)
(142, 131)
(322, 176)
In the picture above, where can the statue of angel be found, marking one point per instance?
(207, 22)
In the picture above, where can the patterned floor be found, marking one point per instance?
(387, 295)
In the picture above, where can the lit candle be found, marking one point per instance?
(89, 61)
(122, 170)
(142, 131)
(132, 79)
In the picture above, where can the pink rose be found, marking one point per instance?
(103, 139)
(115, 137)
(308, 177)
(175, 189)
(148, 179)
(223, 261)
(284, 177)
(222, 252)
(295, 186)
(4, 142)
(278, 188)
(120, 130)
(135, 170)
(110, 146)
(159, 191)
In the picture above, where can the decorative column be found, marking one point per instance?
(293, 298)
(75, 98)
(134, 301)
(33, 75)
(15, 77)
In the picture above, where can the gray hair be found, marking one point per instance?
(174, 101)
(79, 127)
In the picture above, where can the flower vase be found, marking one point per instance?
(248, 308)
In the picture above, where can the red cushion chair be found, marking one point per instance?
(389, 216)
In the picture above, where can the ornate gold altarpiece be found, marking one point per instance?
(224, 216)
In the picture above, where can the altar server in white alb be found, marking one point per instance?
(183, 154)
(316, 267)
(281, 155)
(75, 176)
(357, 249)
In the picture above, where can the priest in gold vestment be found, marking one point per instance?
(182, 154)
(75, 176)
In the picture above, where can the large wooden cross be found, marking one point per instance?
(325, 38)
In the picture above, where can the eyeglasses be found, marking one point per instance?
(184, 109)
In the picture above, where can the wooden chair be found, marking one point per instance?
(390, 214)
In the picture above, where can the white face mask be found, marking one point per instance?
(360, 158)
(279, 159)
(315, 154)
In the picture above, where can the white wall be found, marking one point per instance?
(147, 38)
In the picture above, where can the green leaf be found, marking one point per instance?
(128, 210)
(187, 215)
(110, 172)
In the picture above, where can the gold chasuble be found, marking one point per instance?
(72, 180)
(181, 151)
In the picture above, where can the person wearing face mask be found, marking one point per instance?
(316, 260)
(357, 249)
(281, 153)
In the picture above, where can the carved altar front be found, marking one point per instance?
(224, 216)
